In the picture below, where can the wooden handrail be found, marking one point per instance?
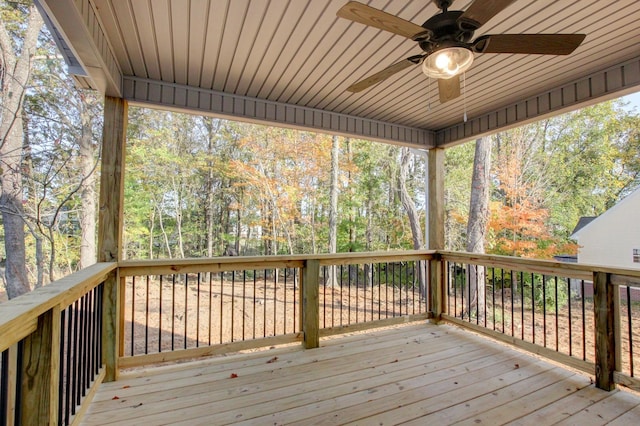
(229, 263)
(546, 267)
(19, 316)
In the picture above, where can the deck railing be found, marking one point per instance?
(51, 344)
(186, 308)
(58, 342)
(578, 315)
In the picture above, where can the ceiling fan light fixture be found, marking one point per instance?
(448, 62)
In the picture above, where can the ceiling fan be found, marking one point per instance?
(446, 37)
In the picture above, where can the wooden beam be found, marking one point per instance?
(603, 295)
(176, 97)
(311, 304)
(436, 199)
(111, 223)
(78, 28)
(436, 230)
(599, 86)
(112, 180)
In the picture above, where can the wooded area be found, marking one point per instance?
(202, 186)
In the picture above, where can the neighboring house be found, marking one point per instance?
(613, 238)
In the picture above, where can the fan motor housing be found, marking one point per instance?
(445, 27)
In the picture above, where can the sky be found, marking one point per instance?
(634, 100)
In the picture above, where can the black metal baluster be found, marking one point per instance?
(356, 266)
(544, 311)
(146, 317)
(133, 313)
(477, 298)
(221, 305)
(467, 282)
(502, 296)
(341, 303)
(379, 289)
(386, 289)
(486, 278)
(522, 304)
(493, 298)
(393, 286)
(198, 310)
(416, 274)
(349, 295)
(264, 305)
(584, 343)
(99, 328)
(160, 316)
(513, 323)
(233, 298)
(630, 328)
(556, 295)
(244, 301)
(210, 274)
(570, 318)
(186, 308)
(275, 293)
(254, 304)
(533, 308)
(173, 311)
(324, 297)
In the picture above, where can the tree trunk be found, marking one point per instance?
(333, 209)
(17, 71)
(407, 201)
(87, 217)
(412, 213)
(478, 220)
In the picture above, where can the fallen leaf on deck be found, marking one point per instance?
(517, 366)
(274, 359)
(233, 376)
(126, 387)
(116, 397)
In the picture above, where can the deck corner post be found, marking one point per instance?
(603, 303)
(311, 303)
(110, 223)
(436, 230)
(436, 283)
(40, 370)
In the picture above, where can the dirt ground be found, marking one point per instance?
(212, 311)
(569, 334)
(204, 312)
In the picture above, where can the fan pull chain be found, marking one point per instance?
(464, 94)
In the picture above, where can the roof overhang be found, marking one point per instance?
(289, 63)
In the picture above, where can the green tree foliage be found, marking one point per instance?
(545, 176)
(267, 190)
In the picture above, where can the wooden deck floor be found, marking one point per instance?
(416, 374)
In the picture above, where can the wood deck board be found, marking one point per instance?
(420, 374)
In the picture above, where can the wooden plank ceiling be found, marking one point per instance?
(298, 53)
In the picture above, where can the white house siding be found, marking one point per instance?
(611, 238)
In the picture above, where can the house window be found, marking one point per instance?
(636, 255)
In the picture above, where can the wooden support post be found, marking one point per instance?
(111, 222)
(40, 371)
(603, 302)
(436, 199)
(311, 304)
(11, 390)
(436, 229)
(437, 289)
